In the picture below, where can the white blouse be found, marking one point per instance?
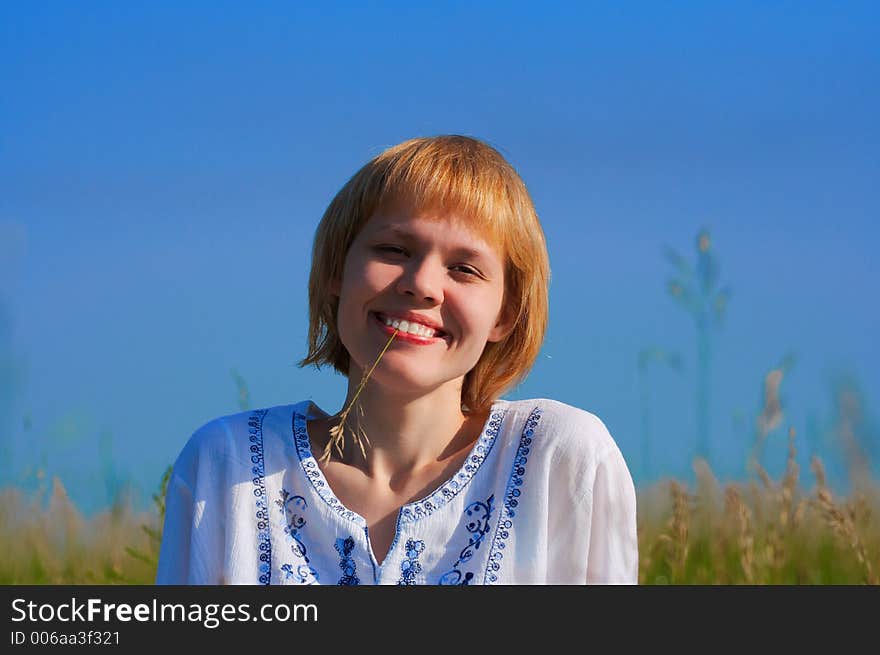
(544, 497)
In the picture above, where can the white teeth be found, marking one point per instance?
(411, 328)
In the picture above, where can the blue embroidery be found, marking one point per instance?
(410, 567)
(302, 574)
(346, 563)
(313, 473)
(413, 511)
(426, 507)
(502, 531)
(478, 528)
(255, 428)
(290, 506)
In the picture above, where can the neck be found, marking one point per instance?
(407, 434)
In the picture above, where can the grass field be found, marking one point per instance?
(759, 532)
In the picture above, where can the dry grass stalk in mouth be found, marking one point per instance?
(337, 432)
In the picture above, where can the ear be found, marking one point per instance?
(504, 326)
(335, 287)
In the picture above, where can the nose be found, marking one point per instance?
(422, 279)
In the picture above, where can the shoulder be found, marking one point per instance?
(575, 441)
(566, 426)
(226, 440)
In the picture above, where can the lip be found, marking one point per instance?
(414, 317)
(406, 336)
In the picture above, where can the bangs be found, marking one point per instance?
(465, 180)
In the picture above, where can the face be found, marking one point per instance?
(409, 262)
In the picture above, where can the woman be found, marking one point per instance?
(429, 291)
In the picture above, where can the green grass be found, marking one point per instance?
(757, 532)
(48, 541)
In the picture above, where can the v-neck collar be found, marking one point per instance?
(410, 512)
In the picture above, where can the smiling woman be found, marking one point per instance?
(429, 292)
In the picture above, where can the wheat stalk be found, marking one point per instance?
(765, 477)
(337, 432)
(840, 521)
(737, 508)
(789, 484)
(676, 537)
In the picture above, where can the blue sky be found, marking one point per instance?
(163, 168)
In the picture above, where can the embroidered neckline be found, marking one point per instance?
(258, 470)
(517, 476)
(411, 512)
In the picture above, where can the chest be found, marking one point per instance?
(379, 506)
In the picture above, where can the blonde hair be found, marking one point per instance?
(466, 176)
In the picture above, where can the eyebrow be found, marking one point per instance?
(403, 233)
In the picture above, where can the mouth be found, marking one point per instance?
(439, 335)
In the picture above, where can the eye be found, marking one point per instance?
(398, 250)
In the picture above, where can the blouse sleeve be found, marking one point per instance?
(184, 553)
(613, 552)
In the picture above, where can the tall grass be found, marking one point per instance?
(49, 541)
(763, 531)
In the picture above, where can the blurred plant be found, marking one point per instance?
(108, 468)
(772, 408)
(843, 520)
(54, 447)
(767, 533)
(244, 400)
(646, 357)
(54, 543)
(696, 292)
(854, 433)
(154, 534)
(13, 245)
(675, 537)
(814, 433)
(12, 374)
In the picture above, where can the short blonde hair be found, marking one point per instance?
(458, 174)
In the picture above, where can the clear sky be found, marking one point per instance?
(163, 167)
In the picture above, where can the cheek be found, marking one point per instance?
(363, 277)
(490, 313)
(476, 311)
